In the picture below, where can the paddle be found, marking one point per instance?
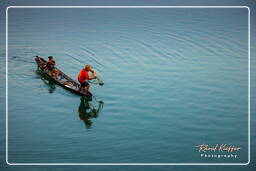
(100, 82)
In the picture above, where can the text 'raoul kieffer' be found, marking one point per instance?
(217, 148)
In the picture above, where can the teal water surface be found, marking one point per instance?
(173, 80)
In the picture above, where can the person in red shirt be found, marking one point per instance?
(83, 76)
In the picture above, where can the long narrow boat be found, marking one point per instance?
(59, 77)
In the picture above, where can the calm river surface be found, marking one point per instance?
(173, 80)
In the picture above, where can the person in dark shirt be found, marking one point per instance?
(50, 64)
(50, 67)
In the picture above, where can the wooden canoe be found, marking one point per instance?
(59, 77)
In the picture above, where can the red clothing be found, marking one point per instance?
(83, 76)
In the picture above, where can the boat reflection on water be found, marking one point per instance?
(89, 109)
(49, 83)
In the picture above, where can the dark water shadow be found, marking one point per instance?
(50, 84)
(20, 59)
(88, 110)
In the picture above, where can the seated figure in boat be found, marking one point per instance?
(50, 67)
(50, 64)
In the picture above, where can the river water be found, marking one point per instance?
(173, 80)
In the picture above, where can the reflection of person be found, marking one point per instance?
(83, 76)
(87, 111)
